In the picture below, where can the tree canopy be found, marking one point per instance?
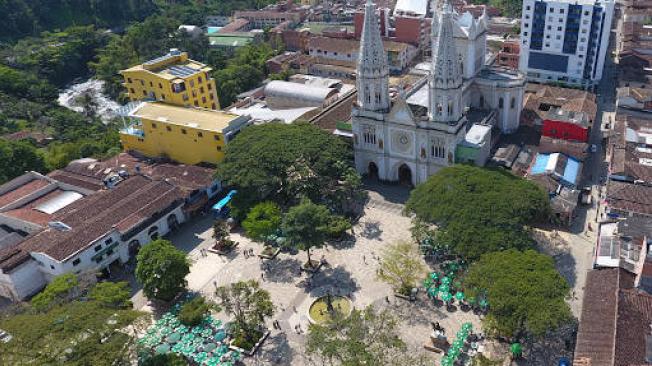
(77, 333)
(161, 269)
(279, 163)
(263, 220)
(249, 305)
(60, 289)
(111, 294)
(366, 337)
(479, 210)
(306, 226)
(524, 290)
(402, 266)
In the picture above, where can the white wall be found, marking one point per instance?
(23, 281)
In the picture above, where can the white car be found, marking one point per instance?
(594, 148)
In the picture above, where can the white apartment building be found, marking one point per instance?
(565, 41)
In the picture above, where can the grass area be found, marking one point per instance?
(319, 309)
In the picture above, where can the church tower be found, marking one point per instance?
(445, 84)
(372, 79)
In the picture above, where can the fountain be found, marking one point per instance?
(326, 308)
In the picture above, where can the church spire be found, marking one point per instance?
(372, 71)
(446, 73)
(445, 60)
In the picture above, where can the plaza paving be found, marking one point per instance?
(351, 271)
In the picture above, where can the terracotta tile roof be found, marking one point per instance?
(22, 191)
(337, 112)
(121, 208)
(595, 336)
(27, 212)
(351, 46)
(540, 98)
(90, 174)
(629, 197)
(578, 150)
(634, 319)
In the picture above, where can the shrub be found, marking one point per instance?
(337, 226)
(193, 312)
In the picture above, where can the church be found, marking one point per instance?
(447, 117)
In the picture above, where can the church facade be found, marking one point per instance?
(409, 135)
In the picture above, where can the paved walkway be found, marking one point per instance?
(351, 271)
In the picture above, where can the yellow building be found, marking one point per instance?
(173, 79)
(185, 135)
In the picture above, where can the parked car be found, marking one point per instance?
(594, 148)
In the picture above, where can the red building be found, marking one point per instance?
(566, 125)
(383, 19)
(411, 30)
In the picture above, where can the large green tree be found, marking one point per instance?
(402, 266)
(77, 333)
(61, 289)
(279, 163)
(111, 294)
(526, 294)
(262, 220)
(16, 158)
(479, 210)
(366, 337)
(249, 305)
(306, 226)
(161, 269)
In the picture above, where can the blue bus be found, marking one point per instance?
(221, 208)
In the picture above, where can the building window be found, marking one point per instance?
(144, 93)
(98, 248)
(160, 86)
(210, 87)
(128, 80)
(51, 266)
(203, 100)
(527, 17)
(98, 259)
(163, 96)
(201, 90)
(132, 91)
(559, 28)
(76, 262)
(196, 103)
(151, 85)
(199, 134)
(219, 148)
(524, 34)
(527, 7)
(212, 97)
(153, 125)
(549, 28)
(142, 83)
(512, 103)
(213, 105)
(561, 11)
(199, 79)
(369, 135)
(168, 128)
(183, 131)
(216, 137)
(500, 103)
(586, 12)
(109, 252)
(108, 241)
(552, 10)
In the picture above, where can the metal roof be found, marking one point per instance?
(302, 92)
(418, 7)
(60, 201)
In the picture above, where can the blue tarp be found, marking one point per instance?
(571, 171)
(540, 164)
(224, 201)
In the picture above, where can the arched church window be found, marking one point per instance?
(500, 103)
(450, 107)
(377, 97)
(482, 101)
(512, 103)
(439, 109)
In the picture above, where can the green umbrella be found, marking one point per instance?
(432, 292)
(162, 349)
(446, 280)
(174, 337)
(446, 296)
(427, 283)
(516, 349)
(200, 357)
(444, 288)
(434, 276)
(459, 296)
(483, 303)
(210, 347)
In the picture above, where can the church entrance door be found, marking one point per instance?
(372, 171)
(405, 175)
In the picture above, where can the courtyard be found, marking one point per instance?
(350, 270)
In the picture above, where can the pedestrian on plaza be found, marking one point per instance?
(364, 259)
(262, 276)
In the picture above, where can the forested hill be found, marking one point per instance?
(31, 17)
